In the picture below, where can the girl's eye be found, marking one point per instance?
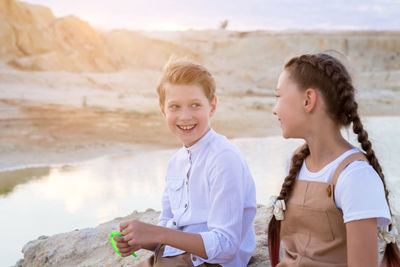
(173, 106)
(195, 105)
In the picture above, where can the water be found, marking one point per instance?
(49, 200)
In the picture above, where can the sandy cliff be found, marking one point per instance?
(32, 38)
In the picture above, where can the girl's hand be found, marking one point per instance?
(137, 233)
(124, 248)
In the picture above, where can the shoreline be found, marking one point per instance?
(16, 157)
(59, 159)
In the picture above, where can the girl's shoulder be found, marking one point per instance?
(360, 194)
(356, 172)
(359, 172)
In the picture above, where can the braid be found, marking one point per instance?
(296, 163)
(391, 257)
(362, 137)
(274, 226)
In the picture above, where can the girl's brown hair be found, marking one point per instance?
(328, 75)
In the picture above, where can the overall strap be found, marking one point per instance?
(345, 162)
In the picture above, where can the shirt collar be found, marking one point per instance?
(199, 145)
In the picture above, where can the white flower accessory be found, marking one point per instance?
(388, 236)
(277, 206)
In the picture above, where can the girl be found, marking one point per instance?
(334, 197)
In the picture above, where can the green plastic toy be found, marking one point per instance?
(113, 242)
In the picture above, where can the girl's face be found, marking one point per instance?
(289, 108)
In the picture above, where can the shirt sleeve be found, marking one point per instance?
(229, 184)
(360, 194)
(166, 213)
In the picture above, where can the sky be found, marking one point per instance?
(245, 15)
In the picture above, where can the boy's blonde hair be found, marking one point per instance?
(186, 72)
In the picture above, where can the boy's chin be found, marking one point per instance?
(189, 143)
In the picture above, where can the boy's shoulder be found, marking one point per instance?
(221, 145)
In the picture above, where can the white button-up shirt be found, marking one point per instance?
(210, 191)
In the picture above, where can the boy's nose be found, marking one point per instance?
(186, 113)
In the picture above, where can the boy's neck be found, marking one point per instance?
(209, 128)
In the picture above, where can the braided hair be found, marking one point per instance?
(328, 75)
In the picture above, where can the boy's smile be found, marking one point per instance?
(187, 111)
(187, 128)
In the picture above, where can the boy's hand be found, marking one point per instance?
(138, 233)
(124, 248)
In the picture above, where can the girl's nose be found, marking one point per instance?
(274, 110)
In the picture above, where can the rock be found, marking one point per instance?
(91, 246)
(85, 247)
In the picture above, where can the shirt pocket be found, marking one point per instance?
(175, 192)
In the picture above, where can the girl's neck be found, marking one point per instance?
(325, 146)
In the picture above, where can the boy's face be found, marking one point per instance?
(187, 111)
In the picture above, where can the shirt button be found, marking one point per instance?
(185, 206)
(194, 259)
(174, 223)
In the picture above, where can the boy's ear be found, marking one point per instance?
(213, 106)
(162, 109)
(310, 99)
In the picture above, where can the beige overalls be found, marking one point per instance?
(313, 231)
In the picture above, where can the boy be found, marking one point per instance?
(209, 202)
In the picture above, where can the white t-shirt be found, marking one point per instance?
(359, 192)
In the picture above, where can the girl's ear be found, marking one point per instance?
(310, 99)
(213, 106)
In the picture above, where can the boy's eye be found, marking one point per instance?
(173, 106)
(195, 105)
